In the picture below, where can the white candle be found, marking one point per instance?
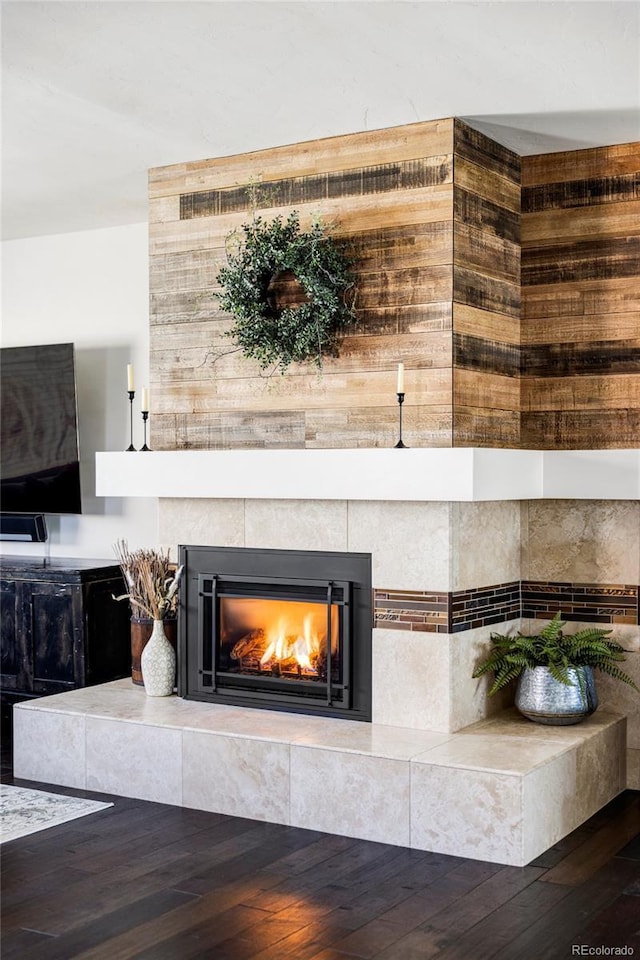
(400, 378)
(130, 386)
(145, 400)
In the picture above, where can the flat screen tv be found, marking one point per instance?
(39, 452)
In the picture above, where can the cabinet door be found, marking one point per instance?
(13, 641)
(55, 634)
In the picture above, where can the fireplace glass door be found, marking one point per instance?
(269, 636)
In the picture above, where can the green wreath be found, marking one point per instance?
(277, 337)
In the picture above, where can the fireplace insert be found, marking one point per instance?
(277, 629)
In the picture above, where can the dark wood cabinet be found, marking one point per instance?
(60, 626)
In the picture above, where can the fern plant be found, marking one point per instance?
(591, 647)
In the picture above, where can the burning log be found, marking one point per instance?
(252, 645)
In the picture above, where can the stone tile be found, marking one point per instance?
(236, 776)
(467, 813)
(200, 521)
(492, 753)
(600, 770)
(49, 747)
(549, 805)
(469, 700)
(583, 541)
(296, 524)
(134, 760)
(372, 739)
(417, 664)
(350, 795)
(486, 543)
(409, 542)
(633, 769)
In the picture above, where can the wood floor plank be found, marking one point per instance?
(598, 849)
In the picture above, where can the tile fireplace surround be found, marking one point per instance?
(461, 540)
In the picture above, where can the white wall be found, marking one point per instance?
(91, 289)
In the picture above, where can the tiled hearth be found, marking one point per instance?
(502, 790)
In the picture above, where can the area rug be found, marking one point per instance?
(25, 811)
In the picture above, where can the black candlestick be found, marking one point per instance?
(400, 402)
(132, 394)
(145, 417)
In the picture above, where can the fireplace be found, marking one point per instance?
(277, 629)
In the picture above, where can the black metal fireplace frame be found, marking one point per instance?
(332, 578)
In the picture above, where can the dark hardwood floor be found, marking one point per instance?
(155, 882)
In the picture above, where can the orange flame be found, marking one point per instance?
(289, 631)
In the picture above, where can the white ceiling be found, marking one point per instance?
(95, 93)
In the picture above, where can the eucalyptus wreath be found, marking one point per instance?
(263, 252)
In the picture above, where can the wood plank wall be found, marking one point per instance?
(517, 327)
(486, 291)
(581, 299)
(390, 194)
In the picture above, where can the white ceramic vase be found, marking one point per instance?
(158, 663)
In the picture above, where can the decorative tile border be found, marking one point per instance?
(480, 608)
(433, 612)
(423, 610)
(598, 603)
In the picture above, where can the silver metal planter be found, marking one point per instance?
(542, 698)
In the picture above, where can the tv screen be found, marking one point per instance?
(39, 456)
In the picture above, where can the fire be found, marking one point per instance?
(281, 635)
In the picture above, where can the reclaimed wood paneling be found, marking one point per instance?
(581, 299)
(518, 323)
(486, 291)
(389, 197)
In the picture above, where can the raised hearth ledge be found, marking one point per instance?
(421, 474)
(502, 790)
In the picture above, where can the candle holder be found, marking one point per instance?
(145, 417)
(400, 402)
(132, 394)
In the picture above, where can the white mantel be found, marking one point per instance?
(421, 474)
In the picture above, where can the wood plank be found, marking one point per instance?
(294, 191)
(581, 429)
(490, 217)
(577, 359)
(427, 425)
(419, 318)
(476, 179)
(301, 391)
(195, 355)
(426, 205)
(406, 142)
(499, 327)
(397, 288)
(477, 147)
(421, 244)
(581, 193)
(485, 390)
(490, 356)
(486, 293)
(559, 226)
(585, 298)
(238, 430)
(597, 850)
(610, 326)
(619, 159)
(607, 392)
(608, 258)
(479, 249)
(484, 427)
